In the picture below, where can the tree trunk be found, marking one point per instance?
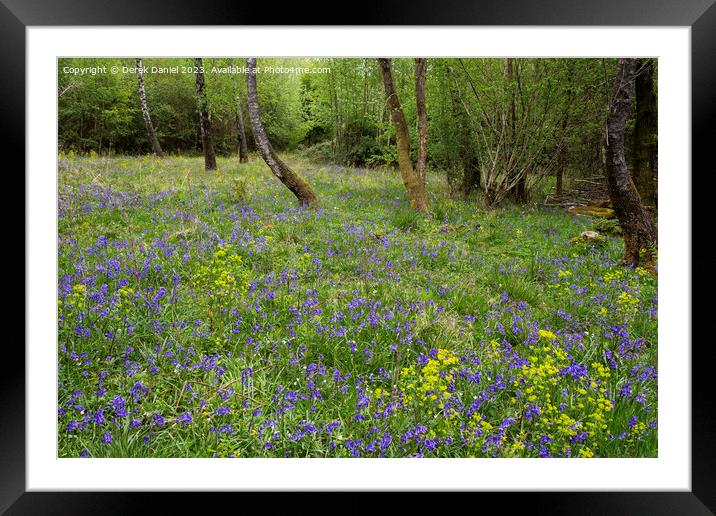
(563, 148)
(560, 173)
(145, 112)
(636, 222)
(335, 112)
(205, 126)
(466, 155)
(519, 191)
(420, 69)
(471, 167)
(298, 186)
(645, 143)
(413, 183)
(243, 148)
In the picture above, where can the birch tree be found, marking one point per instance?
(298, 186)
(151, 133)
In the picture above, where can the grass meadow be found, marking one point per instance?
(203, 314)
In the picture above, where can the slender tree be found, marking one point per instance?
(298, 186)
(645, 143)
(562, 164)
(243, 148)
(414, 184)
(204, 123)
(636, 222)
(562, 155)
(240, 131)
(464, 138)
(420, 70)
(151, 133)
(519, 190)
(336, 113)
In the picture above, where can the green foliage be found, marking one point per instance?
(387, 157)
(583, 245)
(607, 226)
(319, 153)
(240, 190)
(281, 106)
(341, 116)
(448, 212)
(101, 111)
(406, 219)
(224, 278)
(96, 111)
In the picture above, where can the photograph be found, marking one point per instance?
(422, 248)
(357, 257)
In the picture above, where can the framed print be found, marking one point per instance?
(286, 273)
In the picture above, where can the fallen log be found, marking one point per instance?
(592, 211)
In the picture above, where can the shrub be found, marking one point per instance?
(406, 219)
(608, 227)
(240, 189)
(320, 152)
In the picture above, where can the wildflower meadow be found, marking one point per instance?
(205, 314)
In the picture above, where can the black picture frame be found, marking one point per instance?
(700, 15)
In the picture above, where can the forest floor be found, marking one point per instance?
(203, 314)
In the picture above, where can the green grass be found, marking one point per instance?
(363, 288)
